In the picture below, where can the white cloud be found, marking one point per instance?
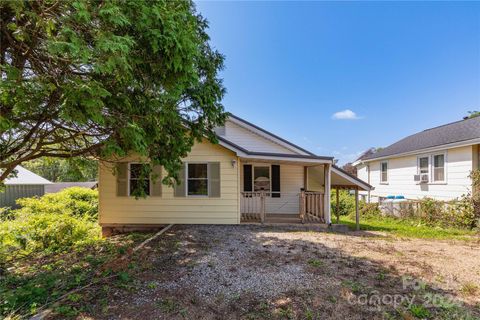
(345, 115)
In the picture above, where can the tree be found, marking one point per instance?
(472, 114)
(348, 167)
(64, 170)
(83, 78)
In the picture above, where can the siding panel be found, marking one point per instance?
(401, 171)
(252, 141)
(170, 209)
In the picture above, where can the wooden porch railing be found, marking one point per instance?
(252, 206)
(311, 206)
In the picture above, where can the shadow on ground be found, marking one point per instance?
(255, 272)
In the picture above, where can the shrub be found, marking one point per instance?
(75, 201)
(431, 211)
(459, 213)
(369, 210)
(346, 203)
(51, 223)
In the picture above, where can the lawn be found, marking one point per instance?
(410, 228)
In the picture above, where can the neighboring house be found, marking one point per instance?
(250, 175)
(59, 186)
(433, 163)
(25, 184)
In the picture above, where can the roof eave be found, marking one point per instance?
(425, 150)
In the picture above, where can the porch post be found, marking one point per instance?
(337, 204)
(357, 215)
(327, 186)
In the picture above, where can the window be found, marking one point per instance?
(439, 167)
(423, 165)
(197, 176)
(137, 183)
(261, 178)
(384, 171)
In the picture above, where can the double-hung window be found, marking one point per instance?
(197, 179)
(439, 168)
(384, 172)
(138, 180)
(423, 165)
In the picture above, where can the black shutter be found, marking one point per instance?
(247, 177)
(275, 181)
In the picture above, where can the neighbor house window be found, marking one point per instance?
(439, 167)
(197, 179)
(136, 181)
(384, 171)
(423, 165)
(261, 178)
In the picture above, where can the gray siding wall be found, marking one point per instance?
(12, 193)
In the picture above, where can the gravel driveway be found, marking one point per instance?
(261, 272)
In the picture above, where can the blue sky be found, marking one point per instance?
(397, 68)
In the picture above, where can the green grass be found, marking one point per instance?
(409, 228)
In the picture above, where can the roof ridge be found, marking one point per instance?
(448, 124)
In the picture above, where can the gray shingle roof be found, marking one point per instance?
(463, 130)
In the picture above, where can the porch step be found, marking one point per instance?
(282, 218)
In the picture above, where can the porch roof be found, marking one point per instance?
(343, 180)
(247, 154)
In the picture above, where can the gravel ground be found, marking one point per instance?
(261, 272)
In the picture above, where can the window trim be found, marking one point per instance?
(381, 172)
(186, 180)
(428, 166)
(129, 178)
(269, 193)
(444, 181)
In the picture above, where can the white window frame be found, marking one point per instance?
(269, 193)
(186, 180)
(428, 166)
(129, 178)
(381, 173)
(444, 181)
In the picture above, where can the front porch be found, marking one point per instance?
(311, 208)
(291, 191)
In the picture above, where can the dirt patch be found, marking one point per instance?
(255, 272)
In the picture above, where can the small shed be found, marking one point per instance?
(25, 184)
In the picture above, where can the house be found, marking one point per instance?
(59, 186)
(433, 163)
(250, 175)
(25, 184)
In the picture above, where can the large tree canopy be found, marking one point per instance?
(103, 78)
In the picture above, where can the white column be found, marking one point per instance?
(327, 186)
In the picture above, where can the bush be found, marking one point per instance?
(346, 203)
(369, 210)
(45, 232)
(75, 201)
(51, 223)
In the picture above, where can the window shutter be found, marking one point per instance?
(156, 182)
(122, 179)
(247, 177)
(275, 181)
(179, 190)
(214, 179)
